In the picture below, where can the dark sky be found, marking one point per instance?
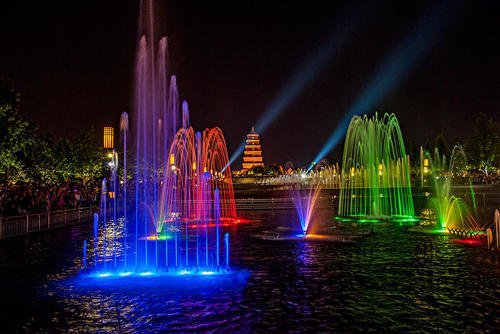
(73, 65)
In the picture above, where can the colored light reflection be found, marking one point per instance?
(472, 242)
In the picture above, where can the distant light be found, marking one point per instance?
(127, 273)
(105, 275)
(184, 272)
(146, 273)
(303, 175)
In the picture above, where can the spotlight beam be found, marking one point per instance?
(420, 38)
(310, 68)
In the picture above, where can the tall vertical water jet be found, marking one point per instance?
(375, 179)
(124, 136)
(177, 183)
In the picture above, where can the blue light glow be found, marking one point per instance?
(418, 41)
(131, 275)
(207, 272)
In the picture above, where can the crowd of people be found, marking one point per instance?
(27, 198)
(483, 178)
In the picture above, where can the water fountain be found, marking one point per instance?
(452, 212)
(375, 179)
(305, 206)
(176, 197)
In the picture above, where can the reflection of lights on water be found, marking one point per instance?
(146, 273)
(468, 241)
(127, 273)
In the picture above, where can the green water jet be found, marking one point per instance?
(375, 179)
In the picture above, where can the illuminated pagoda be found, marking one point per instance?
(253, 152)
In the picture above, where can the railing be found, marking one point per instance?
(278, 203)
(19, 225)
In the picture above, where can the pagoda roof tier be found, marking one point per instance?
(252, 159)
(248, 166)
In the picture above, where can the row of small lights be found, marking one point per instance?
(150, 273)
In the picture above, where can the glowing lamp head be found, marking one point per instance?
(172, 159)
(194, 165)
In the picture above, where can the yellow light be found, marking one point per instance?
(380, 167)
(426, 162)
(204, 169)
(352, 171)
(172, 159)
(108, 137)
(194, 165)
(110, 155)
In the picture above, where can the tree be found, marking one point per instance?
(482, 143)
(16, 135)
(42, 160)
(88, 158)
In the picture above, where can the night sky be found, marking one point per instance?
(73, 64)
